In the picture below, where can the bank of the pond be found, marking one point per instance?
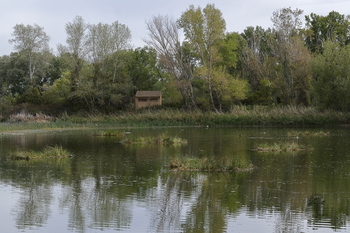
(238, 116)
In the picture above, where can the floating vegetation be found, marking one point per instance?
(281, 146)
(189, 163)
(307, 133)
(47, 153)
(160, 139)
(110, 133)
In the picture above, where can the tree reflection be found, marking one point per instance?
(34, 205)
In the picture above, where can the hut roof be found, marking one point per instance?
(148, 94)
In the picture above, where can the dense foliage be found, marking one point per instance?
(211, 69)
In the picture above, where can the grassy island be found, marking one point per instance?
(281, 146)
(188, 163)
(47, 153)
(307, 133)
(160, 139)
(110, 133)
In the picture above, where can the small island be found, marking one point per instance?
(160, 139)
(49, 152)
(190, 163)
(281, 146)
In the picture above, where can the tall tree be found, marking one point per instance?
(287, 21)
(331, 73)
(204, 30)
(334, 27)
(174, 56)
(293, 83)
(76, 49)
(256, 57)
(106, 43)
(33, 43)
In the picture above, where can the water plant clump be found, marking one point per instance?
(307, 133)
(110, 133)
(281, 146)
(160, 139)
(189, 163)
(47, 153)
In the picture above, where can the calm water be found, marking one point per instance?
(109, 187)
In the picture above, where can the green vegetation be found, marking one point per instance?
(160, 139)
(307, 133)
(281, 146)
(47, 153)
(189, 163)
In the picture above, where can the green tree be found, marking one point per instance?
(13, 74)
(255, 56)
(76, 50)
(204, 30)
(331, 74)
(293, 83)
(334, 27)
(143, 69)
(213, 52)
(32, 43)
(106, 41)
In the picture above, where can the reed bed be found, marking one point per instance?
(189, 163)
(47, 153)
(238, 115)
(281, 146)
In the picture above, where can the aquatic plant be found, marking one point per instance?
(281, 146)
(191, 163)
(46, 153)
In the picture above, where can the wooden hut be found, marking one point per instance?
(148, 98)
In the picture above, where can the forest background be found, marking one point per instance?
(193, 60)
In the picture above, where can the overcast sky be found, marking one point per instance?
(53, 15)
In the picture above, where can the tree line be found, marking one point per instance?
(97, 69)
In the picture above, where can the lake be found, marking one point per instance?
(108, 186)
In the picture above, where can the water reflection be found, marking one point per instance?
(108, 186)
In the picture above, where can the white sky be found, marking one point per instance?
(53, 15)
